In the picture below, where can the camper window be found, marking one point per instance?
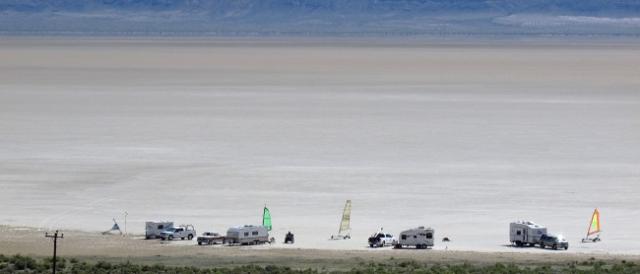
(246, 234)
(404, 237)
(429, 235)
(519, 233)
(254, 233)
(160, 226)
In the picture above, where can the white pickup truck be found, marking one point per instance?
(380, 239)
(180, 232)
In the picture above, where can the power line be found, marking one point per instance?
(55, 237)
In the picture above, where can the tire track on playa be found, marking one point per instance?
(110, 193)
(90, 199)
(56, 219)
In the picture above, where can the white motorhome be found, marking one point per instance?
(246, 235)
(420, 238)
(523, 233)
(153, 230)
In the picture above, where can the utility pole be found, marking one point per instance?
(55, 246)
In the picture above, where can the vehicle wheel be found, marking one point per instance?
(398, 246)
(190, 237)
(170, 237)
(147, 237)
(555, 247)
(199, 243)
(542, 245)
(518, 243)
(566, 247)
(182, 238)
(371, 245)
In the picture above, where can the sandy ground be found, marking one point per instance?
(460, 136)
(95, 247)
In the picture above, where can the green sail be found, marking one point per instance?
(266, 218)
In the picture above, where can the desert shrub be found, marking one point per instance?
(25, 264)
(22, 262)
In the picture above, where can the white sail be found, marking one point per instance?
(345, 224)
(344, 232)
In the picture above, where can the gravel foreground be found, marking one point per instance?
(95, 248)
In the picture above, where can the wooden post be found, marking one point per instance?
(125, 223)
(55, 247)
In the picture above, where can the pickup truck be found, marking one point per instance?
(180, 232)
(211, 238)
(380, 239)
(555, 242)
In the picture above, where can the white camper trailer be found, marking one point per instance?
(523, 233)
(246, 235)
(153, 230)
(420, 237)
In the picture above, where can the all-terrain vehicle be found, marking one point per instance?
(289, 238)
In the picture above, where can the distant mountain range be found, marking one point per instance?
(321, 17)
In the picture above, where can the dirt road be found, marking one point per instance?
(95, 247)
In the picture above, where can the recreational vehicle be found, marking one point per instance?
(246, 235)
(420, 238)
(528, 233)
(153, 230)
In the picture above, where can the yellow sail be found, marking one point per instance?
(594, 225)
(345, 224)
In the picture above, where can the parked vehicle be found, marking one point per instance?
(210, 238)
(289, 238)
(153, 230)
(420, 238)
(380, 239)
(555, 242)
(181, 232)
(526, 233)
(248, 235)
